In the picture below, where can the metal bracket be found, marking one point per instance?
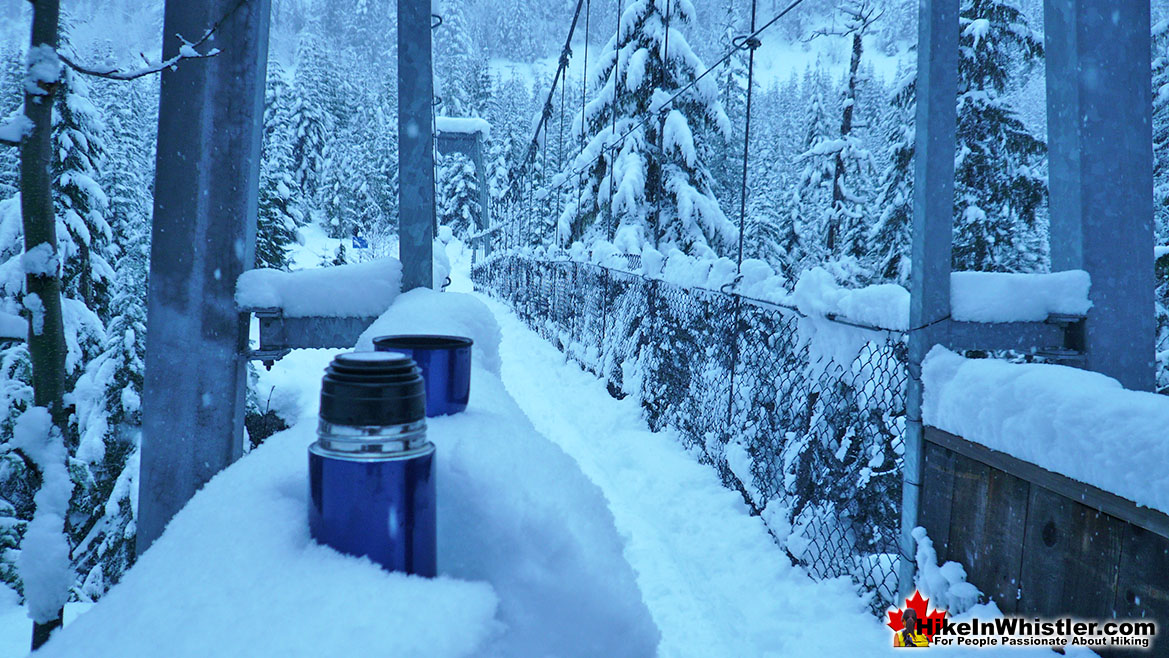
(1059, 338)
(279, 335)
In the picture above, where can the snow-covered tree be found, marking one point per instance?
(810, 203)
(1160, 66)
(999, 180)
(458, 195)
(278, 215)
(889, 237)
(843, 224)
(458, 65)
(11, 86)
(646, 184)
(108, 392)
(727, 160)
(81, 203)
(312, 124)
(16, 395)
(109, 396)
(512, 30)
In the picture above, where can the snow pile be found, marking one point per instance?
(12, 326)
(884, 305)
(424, 312)
(360, 290)
(820, 300)
(463, 126)
(44, 557)
(945, 585)
(975, 296)
(1009, 297)
(1078, 423)
(16, 127)
(530, 561)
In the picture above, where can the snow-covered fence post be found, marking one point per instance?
(203, 238)
(415, 144)
(933, 227)
(1099, 130)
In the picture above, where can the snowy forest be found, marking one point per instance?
(829, 176)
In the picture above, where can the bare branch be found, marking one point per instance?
(117, 74)
(188, 50)
(861, 17)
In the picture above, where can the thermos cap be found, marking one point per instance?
(372, 388)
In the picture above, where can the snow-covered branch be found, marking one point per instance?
(188, 50)
(15, 129)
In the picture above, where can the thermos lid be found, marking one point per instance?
(372, 388)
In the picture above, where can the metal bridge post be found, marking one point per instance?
(933, 228)
(1099, 127)
(203, 238)
(415, 145)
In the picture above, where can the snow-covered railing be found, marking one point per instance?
(1037, 476)
(1079, 424)
(801, 413)
(326, 307)
(795, 393)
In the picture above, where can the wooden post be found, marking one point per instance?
(1099, 127)
(933, 227)
(204, 234)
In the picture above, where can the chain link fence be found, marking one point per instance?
(813, 445)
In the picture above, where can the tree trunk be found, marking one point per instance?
(845, 131)
(46, 335)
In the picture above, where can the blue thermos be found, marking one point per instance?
(446, 366)
(371, 470)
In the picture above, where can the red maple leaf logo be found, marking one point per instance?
(930, 622)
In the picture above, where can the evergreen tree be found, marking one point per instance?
(1160, 66)
(726, 163)
(277, 216)
(11, 97)
(312, 123)
(512, 33)
(810, 206)
(649, 187)
(889, 238)
(999, 181)
(852, 164)
(457, 64)
(17, 486)
(81, 203)
(458, 195)
(108, 393)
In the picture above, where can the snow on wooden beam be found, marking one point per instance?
(463, 126)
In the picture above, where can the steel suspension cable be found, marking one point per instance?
(616, 100)
(752, 44)
(741, 42)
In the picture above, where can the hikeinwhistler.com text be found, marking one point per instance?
(1019, 632)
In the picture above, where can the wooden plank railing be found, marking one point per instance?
(1040, 543)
